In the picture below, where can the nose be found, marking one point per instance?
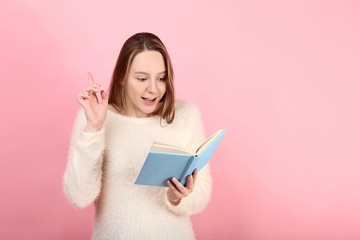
(152, 87)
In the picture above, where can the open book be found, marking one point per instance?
(166, 161)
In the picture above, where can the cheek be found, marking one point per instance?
(163, 88)
(136, 88)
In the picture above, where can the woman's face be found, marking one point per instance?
(145, 85)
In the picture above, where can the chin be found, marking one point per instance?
(148, 110)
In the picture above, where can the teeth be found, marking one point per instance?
(149, 99)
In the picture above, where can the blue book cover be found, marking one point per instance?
(165, 162)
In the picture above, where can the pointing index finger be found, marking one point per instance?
(90, 77)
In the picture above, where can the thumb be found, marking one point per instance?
(104, 96)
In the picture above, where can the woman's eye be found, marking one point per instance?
(162, 79)
(141, 79)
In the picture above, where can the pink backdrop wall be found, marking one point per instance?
(282, 77)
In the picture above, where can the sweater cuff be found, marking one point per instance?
(181, 208)
(91, 138)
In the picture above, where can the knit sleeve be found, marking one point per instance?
(82, 178)
(198, 199)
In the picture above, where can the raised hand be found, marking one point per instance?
(95, 110)
(177, 191)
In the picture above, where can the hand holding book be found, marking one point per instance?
(177, 191)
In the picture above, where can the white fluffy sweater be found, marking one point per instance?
(103, 166)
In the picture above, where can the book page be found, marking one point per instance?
(208, 141)
(166, 148)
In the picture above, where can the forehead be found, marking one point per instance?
(151, 62)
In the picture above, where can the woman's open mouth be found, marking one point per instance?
(149, 101)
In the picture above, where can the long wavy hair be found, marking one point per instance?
(136, 44)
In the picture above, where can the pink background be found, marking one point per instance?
(282, 77)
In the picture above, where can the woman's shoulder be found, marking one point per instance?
(186, 110)
(184, 107)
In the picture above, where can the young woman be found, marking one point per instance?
(112, 136)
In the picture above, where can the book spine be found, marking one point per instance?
(188, 170)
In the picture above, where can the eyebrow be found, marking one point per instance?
(148, 73)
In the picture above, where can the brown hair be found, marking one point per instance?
(136, 44)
